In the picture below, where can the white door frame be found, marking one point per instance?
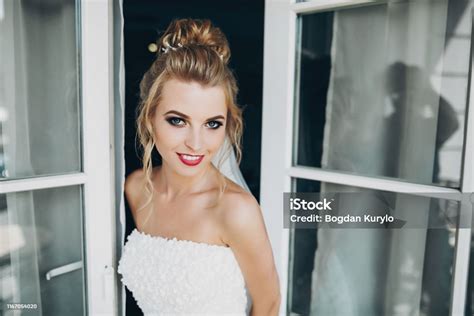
(277, 170)
(97, 104)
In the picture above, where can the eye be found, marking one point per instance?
(176, 121)
(213, 124)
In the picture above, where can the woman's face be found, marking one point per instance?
(189, 125)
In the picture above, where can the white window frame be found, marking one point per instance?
(95, 28)
(277, 170)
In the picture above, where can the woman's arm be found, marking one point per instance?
(244, 231)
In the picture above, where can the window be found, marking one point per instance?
(55, 164)
(369, 95)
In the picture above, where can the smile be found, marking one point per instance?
(190, 160)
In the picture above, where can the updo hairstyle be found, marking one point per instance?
(190, 51)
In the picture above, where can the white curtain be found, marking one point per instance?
(17, 221)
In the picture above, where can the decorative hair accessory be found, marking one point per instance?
(168, 47)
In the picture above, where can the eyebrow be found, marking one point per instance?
(187, 117)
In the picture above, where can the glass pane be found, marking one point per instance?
(374, 271)
(39, 102)
(382, 90)
(41, 231)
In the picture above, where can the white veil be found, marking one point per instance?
(229, 166)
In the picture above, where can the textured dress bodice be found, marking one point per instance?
(180, 277)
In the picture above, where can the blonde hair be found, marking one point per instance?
(189, 50)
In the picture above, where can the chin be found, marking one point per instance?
(189, 171)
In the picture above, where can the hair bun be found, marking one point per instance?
(189, 32)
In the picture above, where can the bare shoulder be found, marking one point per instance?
(236, 200)
(241, 214)
(238, 204)
(134, 180)
(134, 188)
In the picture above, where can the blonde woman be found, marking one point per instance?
(200, 245)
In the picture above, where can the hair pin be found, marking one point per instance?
(166, 49)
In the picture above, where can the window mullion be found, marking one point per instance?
(325, 5)
(46, 182)
(370, 182)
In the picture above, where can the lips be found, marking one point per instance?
(190, 160)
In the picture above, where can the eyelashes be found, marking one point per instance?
(175, 121)
(179, 122)
(214, 124)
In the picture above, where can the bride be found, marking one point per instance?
(200, 245)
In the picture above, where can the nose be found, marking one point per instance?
(194, 140)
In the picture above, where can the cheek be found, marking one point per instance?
(216, 139)
(167, 137)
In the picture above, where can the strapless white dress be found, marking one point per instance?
(181, 277)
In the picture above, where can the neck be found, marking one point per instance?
(173, 185)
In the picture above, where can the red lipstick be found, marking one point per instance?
(190, 160)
